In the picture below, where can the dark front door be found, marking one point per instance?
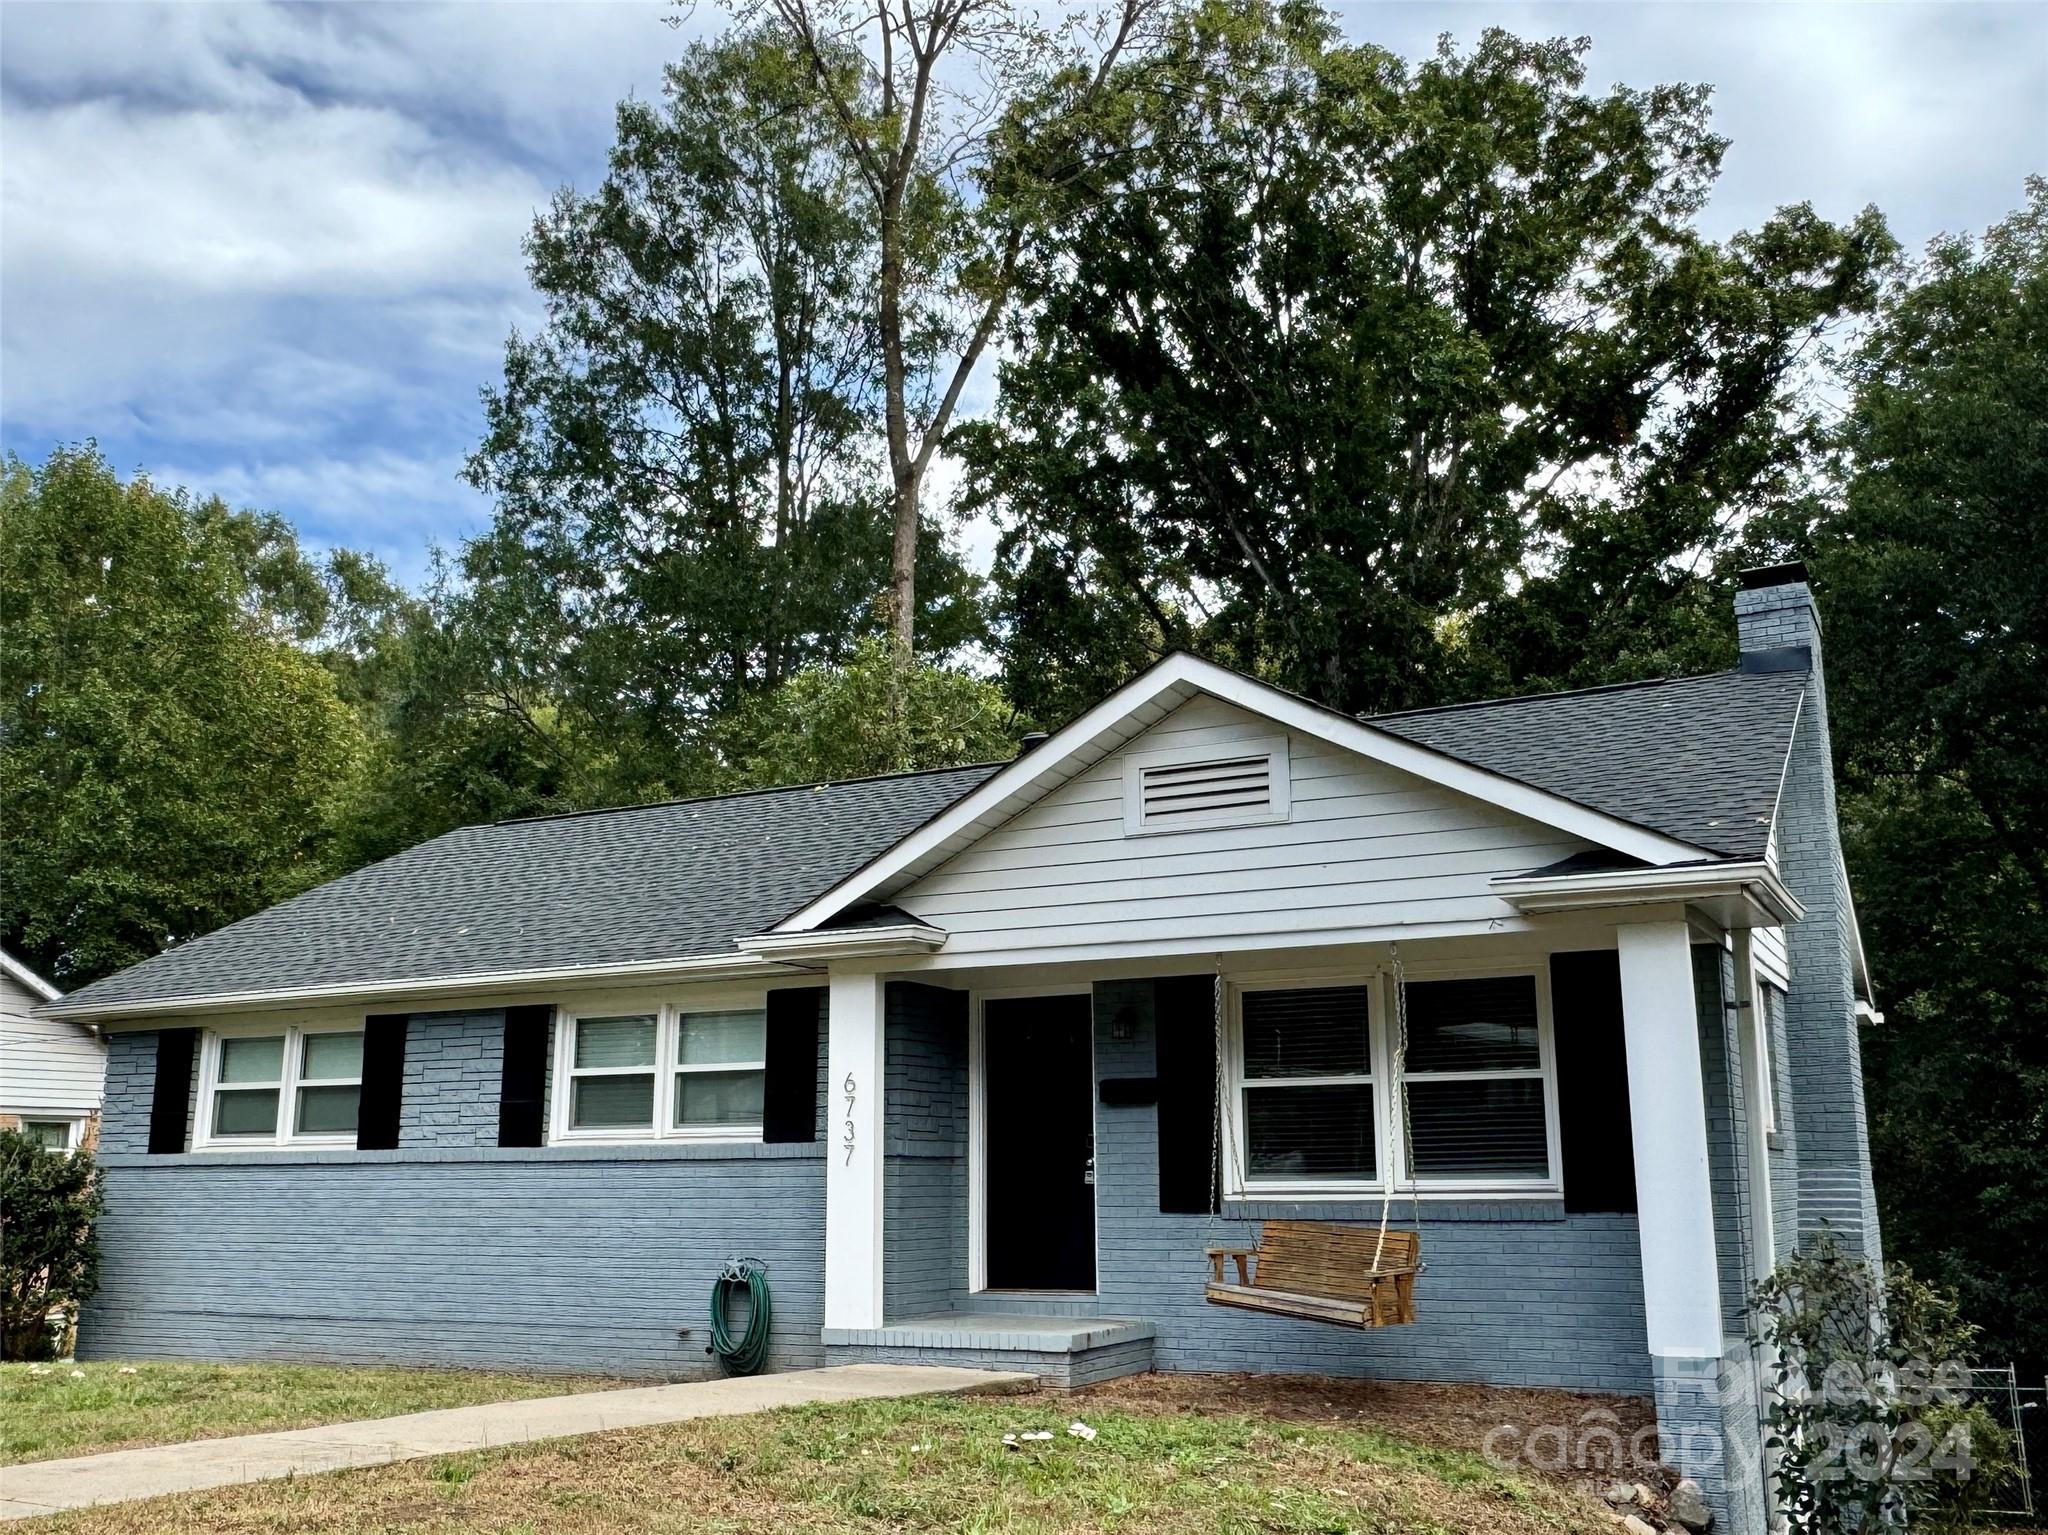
(1038, 1067)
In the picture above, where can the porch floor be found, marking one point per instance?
(1063, 1351)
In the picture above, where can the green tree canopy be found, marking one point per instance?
(170, 757)
(1350, 351)
(1933, 570)
(689, 508)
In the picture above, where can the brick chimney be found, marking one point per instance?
(1823, 1144)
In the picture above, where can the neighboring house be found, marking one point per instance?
(52, 1070)
(941, 1050)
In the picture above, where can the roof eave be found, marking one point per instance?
(848, 943)
(1738, 893)
(691, 967)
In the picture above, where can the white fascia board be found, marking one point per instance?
(1754, 884)
(848, 943)
(1075, 747)
(28, 978)
(705, 967)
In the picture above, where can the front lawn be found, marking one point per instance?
(55, 1410)
(923, 1464)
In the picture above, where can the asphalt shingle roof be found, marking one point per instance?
(602, 888)
(1697, 758)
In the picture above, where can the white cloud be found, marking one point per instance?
(273, 250)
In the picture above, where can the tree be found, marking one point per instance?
(686, 509)
(963, 119)
(170, 759)
(1932, 566)
(1354, 364)
(836, 722)
(50, 1205)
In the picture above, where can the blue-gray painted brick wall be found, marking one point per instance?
(924, 1193)
(1825, 1053)
(1513, 1294)
(454, 1065)
(552, 1259)
(1727, 1125)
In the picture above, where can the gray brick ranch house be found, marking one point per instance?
(941, 1050)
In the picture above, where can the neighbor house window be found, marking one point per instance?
(1475, 1081)
(1306, 1086)
(675, 1072)
(281, 1087)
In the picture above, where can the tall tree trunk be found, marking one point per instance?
(900, 601)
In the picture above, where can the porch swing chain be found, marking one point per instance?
(1398, 1105)
(1220, 1124)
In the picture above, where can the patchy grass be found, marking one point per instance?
(63, 1409)
(925, 1464)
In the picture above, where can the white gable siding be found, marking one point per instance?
(47, 1065)
(1364, 845)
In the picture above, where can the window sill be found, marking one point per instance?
(745, 1135)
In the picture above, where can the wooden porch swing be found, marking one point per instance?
(1347, 1276)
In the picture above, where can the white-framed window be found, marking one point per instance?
(282, 1085)
(1769, 1021)
(666, 1073)
(1306, 1086)
(1188, 788)
(56, 1134)
(1316, 1107)
(1478, 1081)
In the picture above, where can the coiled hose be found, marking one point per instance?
(747, 1355)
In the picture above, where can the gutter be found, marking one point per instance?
(1754, 886)
(848, 943)
(703, 967)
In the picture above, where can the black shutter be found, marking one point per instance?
(1184, 1037)
(789, 1097)
(383, 1081)
(523, 1088)
(1592, 1082)
(171, 1097)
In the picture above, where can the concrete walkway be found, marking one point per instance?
(42, 1487)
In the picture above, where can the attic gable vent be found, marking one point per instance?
(1219, 786)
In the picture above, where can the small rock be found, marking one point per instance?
(1636, 1526)
(1080, 1430)
(1689, 1506)
(127, 1369)
(1619, 1494)
(78, 1375)
(1644, 1497)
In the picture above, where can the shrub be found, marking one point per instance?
(50, 1203)
(1869, 1411)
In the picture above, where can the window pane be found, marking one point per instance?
(332, 1055)
(245, 1112)
(53, 1133)
(328, 1110)
(1480, 1129)
(1309, 1132)
(1475, 1025)
(613, 1103)
(718, 1097)
(252, 1060)
(615, 1041)
(1307, 1032)
(708, 1039)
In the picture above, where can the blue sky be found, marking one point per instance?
(272, 252)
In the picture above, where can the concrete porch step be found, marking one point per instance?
(1063, 1351)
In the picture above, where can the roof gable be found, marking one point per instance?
(1148, 699)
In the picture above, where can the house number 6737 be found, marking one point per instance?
(847, 1140)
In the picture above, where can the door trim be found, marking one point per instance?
(977, 1125)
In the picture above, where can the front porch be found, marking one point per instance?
(1592, 1238)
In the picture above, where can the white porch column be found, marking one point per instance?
(853, 1152)
(1668, 1123)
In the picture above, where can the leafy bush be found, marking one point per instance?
(50, 1204)
(1869, 1413)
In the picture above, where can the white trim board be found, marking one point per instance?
(1149, 698)
(28, 977)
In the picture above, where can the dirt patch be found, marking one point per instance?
(1525, 1428)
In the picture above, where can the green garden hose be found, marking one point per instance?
(747, 1355)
